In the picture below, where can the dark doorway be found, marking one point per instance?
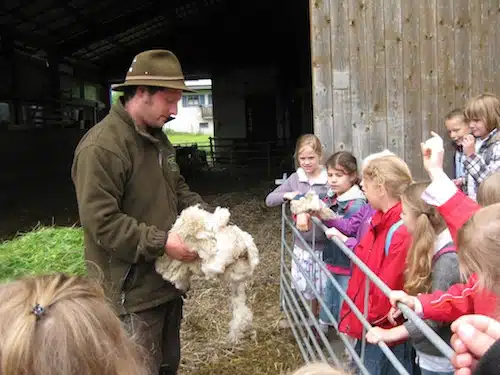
(260, 114)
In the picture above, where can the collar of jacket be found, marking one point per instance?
(381, 220)
(119, 110)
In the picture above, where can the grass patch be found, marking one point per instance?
(176, 138)
(44, 250)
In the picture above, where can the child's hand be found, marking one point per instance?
(303, 222)
(334, 232)
(458, 182)
(472, 336)
(400, 296)
(468, 144)
(394, 313)
(290, 195)
(377, 334)
(432, 154)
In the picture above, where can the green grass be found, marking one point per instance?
(44, 250)
(177, 138)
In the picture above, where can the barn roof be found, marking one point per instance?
(94, 31)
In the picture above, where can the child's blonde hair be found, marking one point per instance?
(485, 107)
(478, 242)
(318, 368)
(374, 156)
(488, 192)
(428, 224)
(307, 140)
(391, 172)
(62, 325)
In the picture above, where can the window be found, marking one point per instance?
(209, 99)
(203, 125)
(193, 100)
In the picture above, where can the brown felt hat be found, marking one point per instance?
(157, 67)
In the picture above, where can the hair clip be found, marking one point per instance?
(38, 310)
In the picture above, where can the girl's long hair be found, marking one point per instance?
(428, 224)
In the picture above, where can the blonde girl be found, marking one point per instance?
(310, 175)
(432, 264)
(318, 368)
(383, 249)
(482, 147)
(62, 325)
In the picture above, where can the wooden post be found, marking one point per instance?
(322, 72)
(211, 139)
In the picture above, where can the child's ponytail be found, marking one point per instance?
(428, 223)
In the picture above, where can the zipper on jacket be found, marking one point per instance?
(160, 157)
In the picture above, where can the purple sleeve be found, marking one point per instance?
(351, 243)
(350, 225)
(275, 198)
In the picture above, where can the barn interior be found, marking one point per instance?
(58, 60)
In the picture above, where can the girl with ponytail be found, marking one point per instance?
(432, 264)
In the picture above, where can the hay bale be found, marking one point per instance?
(268, 349)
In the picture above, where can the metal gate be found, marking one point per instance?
(300, 316)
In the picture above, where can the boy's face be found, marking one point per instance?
(457, 129)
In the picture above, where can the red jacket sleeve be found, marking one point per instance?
(447, 306)
(457, 211)
(391, 272)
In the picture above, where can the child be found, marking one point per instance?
(384, 179)
(62, 325)
(431, 265)
(482, 147)
(310, 175)
(357, 224)
(317, 368)
(344, 198)
(458, 128)
(476, 232)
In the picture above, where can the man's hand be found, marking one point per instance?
(468, 144)
(176, 249)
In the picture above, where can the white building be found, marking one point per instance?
(195, 111)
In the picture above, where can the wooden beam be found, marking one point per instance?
(117, 26)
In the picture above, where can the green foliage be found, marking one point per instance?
(44, 250)
(181, 138)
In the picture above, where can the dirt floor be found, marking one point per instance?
(268, 349)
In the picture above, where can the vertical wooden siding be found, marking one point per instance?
(385, 72)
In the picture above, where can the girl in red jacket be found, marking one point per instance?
(432, 264)
(384, 179)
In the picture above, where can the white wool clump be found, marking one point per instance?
(224, 251)
(311, 203)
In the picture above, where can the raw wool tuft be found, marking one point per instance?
(225, 251)
(311, 203)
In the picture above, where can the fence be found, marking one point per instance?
(237, 154)
(309, 346)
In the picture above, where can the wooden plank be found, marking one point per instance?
(412, 95)
(394, 75)
(462, 52)
(376, 96)
(445, 73)
(357, 61)
(478, 56)
(428, 64)
(342, 131)
(322, 73)
(490, 29)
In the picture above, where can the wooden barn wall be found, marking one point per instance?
(385, 72)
